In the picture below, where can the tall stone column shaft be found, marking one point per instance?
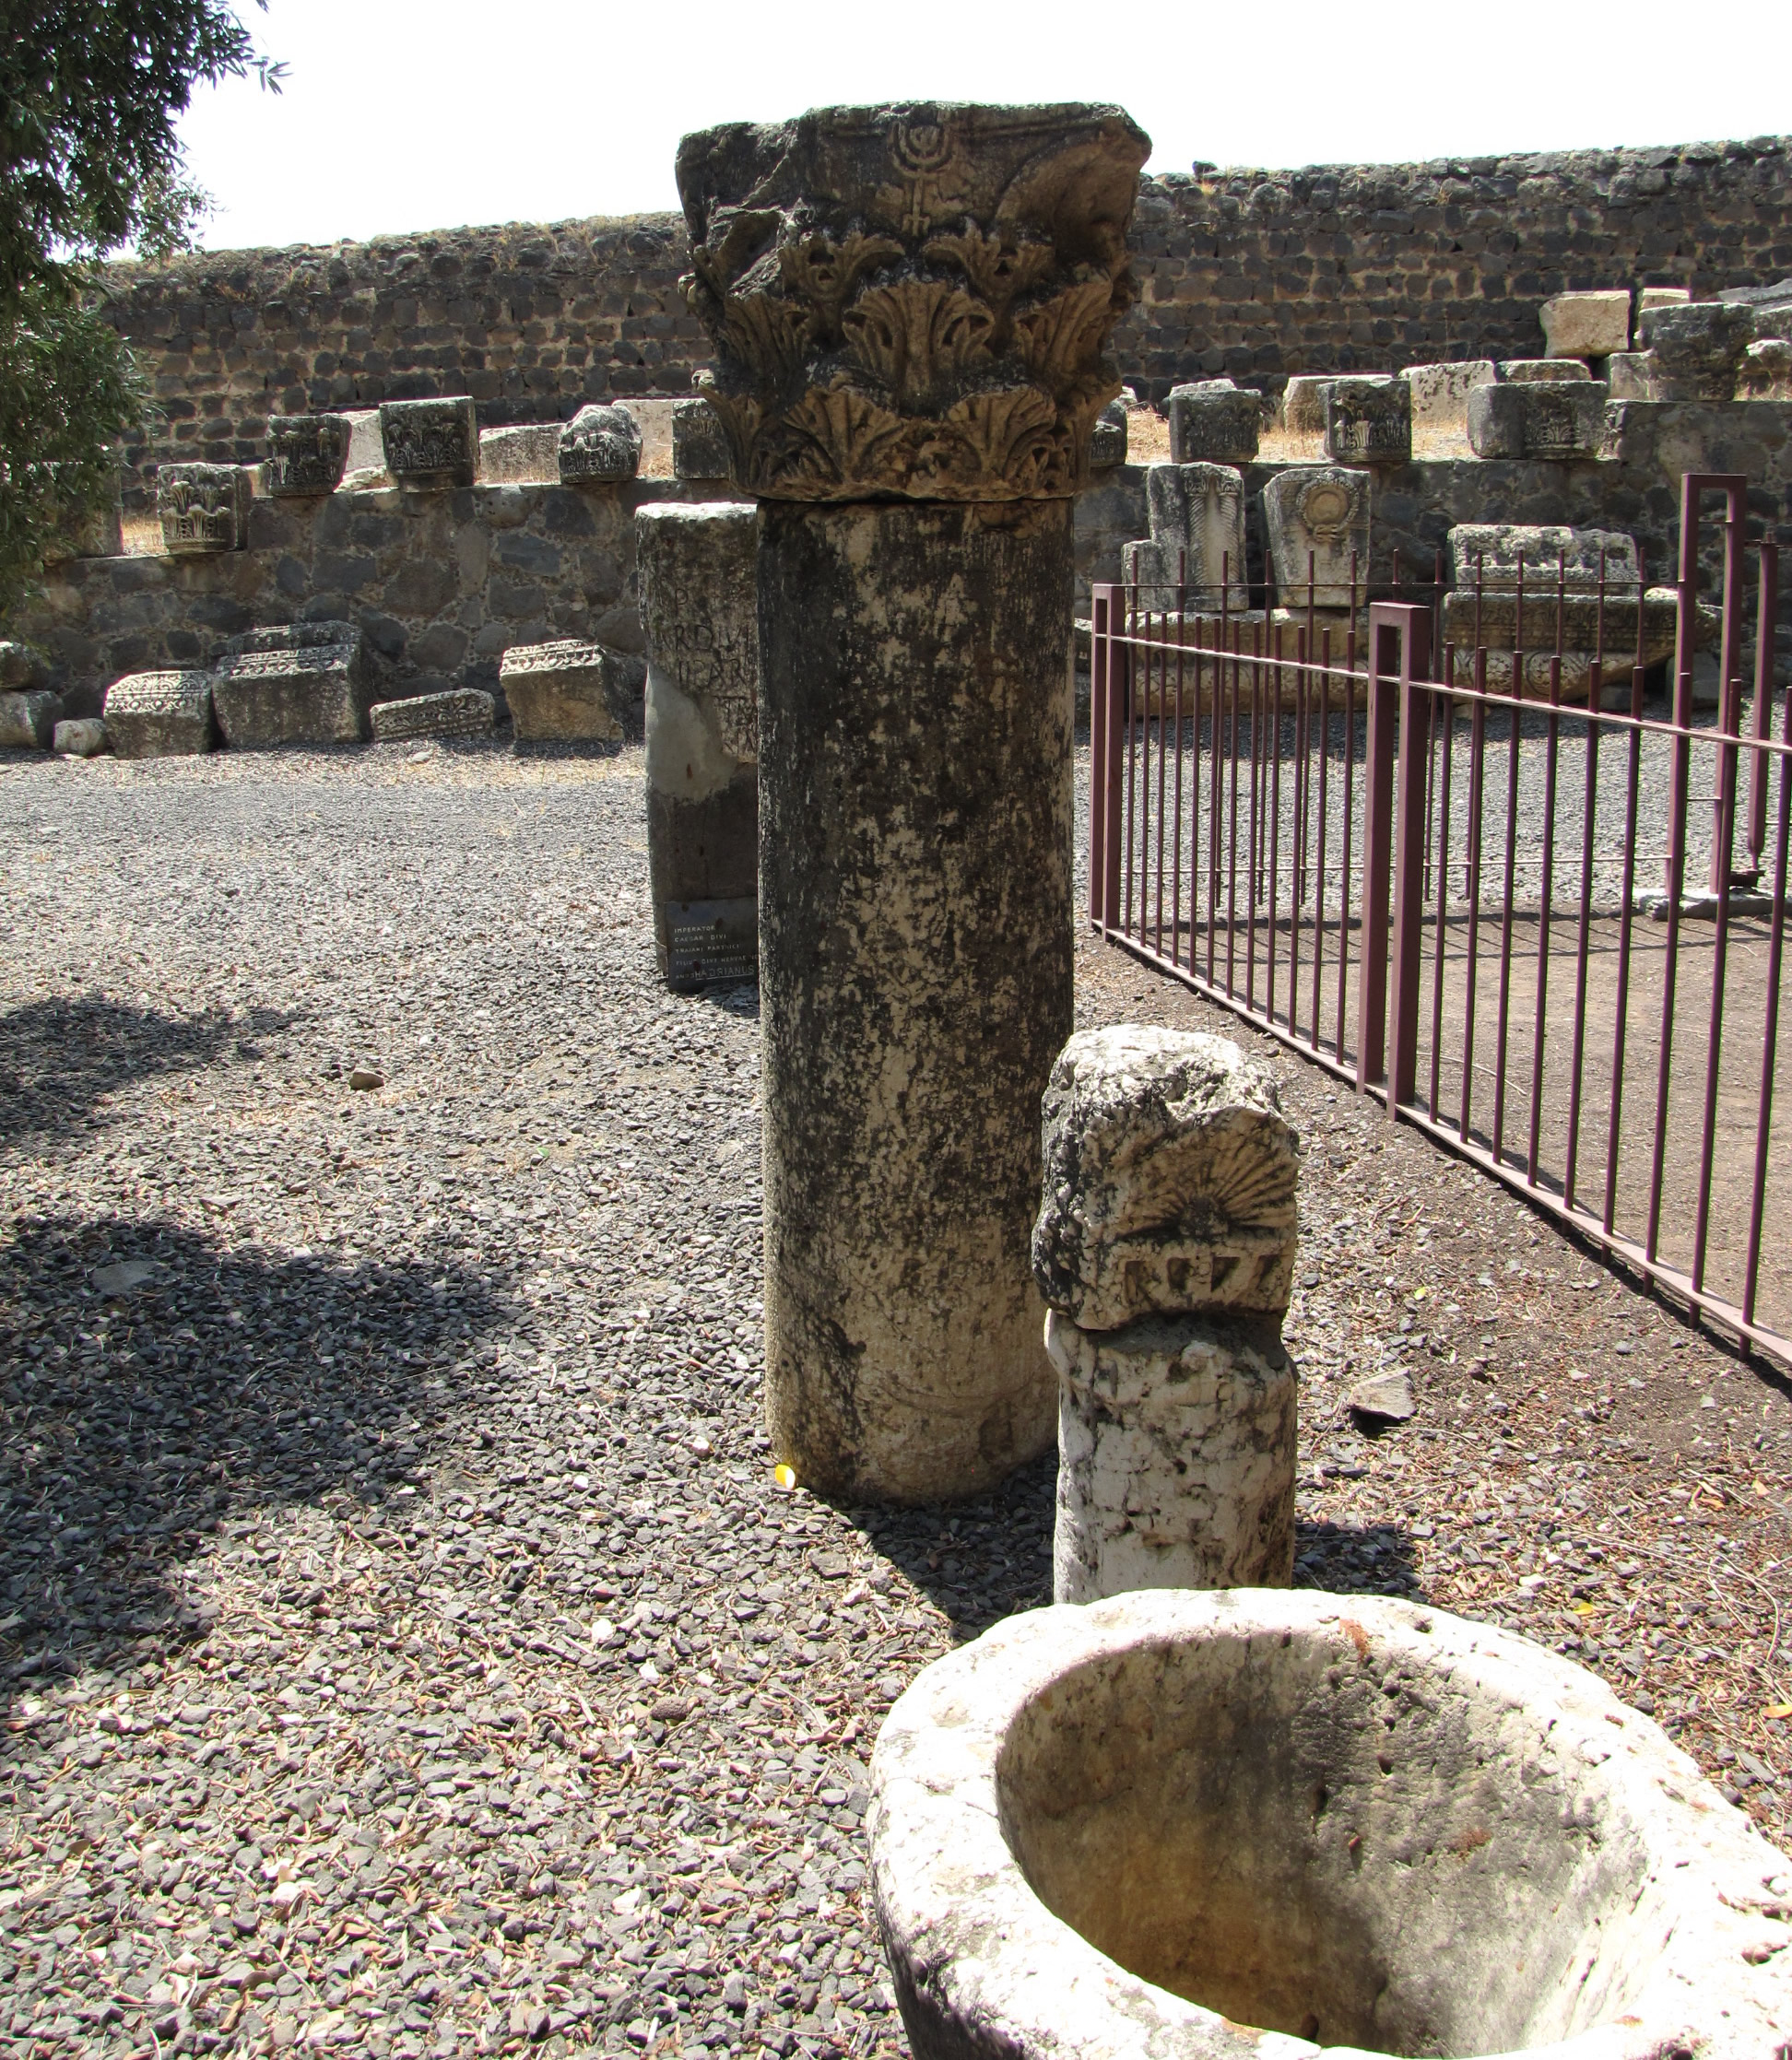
(910, 307)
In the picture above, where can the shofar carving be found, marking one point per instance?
(913, 301)
(1166, 1250)
(911, 307)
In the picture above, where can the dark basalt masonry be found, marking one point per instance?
(1255, 274)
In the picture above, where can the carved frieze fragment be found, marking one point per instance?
(1556, 418)
(913, 301)
(1317, 519)
(203, 507)
(1369, 421)
(1214, 423)
(307, 453)
(1197, 545)
(599, 443)
(1548, 553)
(699, 444)
(430, 443)
(159, 714)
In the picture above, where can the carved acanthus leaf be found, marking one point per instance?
(1058, 337)
(913, 337)
(825, 270)
(999, 268)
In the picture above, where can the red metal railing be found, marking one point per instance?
(1433, 879)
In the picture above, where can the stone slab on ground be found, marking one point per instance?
(460, 712)
(568, 690)
(288, 686)
(27, 719)
(83, 737)
(160, 714)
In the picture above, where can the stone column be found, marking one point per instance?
(911, 307)
(694, 573)
(1165, 1249)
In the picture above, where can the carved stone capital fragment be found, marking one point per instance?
(913, 301)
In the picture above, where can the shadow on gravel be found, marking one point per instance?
(131, 1423)
(57, 1057)
(981, 1560)
(1366, 1560)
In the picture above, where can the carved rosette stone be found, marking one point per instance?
(913, 301)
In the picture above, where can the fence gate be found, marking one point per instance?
(1475, 875)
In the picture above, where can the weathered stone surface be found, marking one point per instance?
(1369, 421)
(1696, 350)
(159, 714)
(912, 300)
(1558, 418)
(21, 667)
(203, 507)
(1628, 375)
(430, 443)
(699, 444)
(519, 454)
(1280, 1823)
(83, 737)
(915, 975)
(1586, 324)
(567, 691)
(1382, 1397)
(1177, 1442)
(1542, 371)
(294, 683)
(1766, 373)
(600, 443)
(1304, 404)
(1213, 424)
(1316, 518)
(1107, 440)
(461, 712)
(27, 719)
(1548, 553)
(1649, 297)
(1197, 545)
(695, 569)
(1169, 1181)
(1439, 395)
(307, 453)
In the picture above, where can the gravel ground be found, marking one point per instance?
(375, 1677)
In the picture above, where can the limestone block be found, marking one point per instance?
(520, 454)
(83, 737)
(1107, 445)
(1541, 371)
(461, 712)
(695, 573)
(1178, 1440)
(1284, 1823)
(27, 719)
(1369, 421)
(1548, 553)
(1696, 350)
(699, 445)
(1303, 405)
(1197, 513)
(294, 683)
(1586, 324)
(159, 714)
(1214, 424)
(564, 692)
(922, 302)
(432, 444)
(21, 667)
(1316, 518)
(307, 453)
(203, 507)
(1439, 395)
(1169, 1180)
(1627, 376)
(599, 443)
(1766, 373)
(1649, 297)
(1559, 419)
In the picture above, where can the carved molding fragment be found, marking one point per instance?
(913, 301)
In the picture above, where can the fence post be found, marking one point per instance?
(1108, 678)
(1387, 630)
(1411, 808)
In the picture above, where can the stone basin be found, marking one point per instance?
(1263, 1822)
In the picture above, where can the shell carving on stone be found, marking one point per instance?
(911, 301)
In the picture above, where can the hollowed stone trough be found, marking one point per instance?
(1261, 1822)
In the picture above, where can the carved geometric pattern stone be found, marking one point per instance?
(307, 453)
(913, 301)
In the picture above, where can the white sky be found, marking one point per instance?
(400, 116)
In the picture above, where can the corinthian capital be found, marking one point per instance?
(913, 301)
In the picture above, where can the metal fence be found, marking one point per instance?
(1537, 914)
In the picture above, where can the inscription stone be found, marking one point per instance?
(159, 714)
(307, 453)
(461, 712)
(1108, 438)
(567, 691)
(1369, 421)
(600, 443)
(203, 507)
(1318, 516)
(1214, 424)
(430, 443)
(699, 444)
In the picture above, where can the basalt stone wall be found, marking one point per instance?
(441, 584)
(1257, 274)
